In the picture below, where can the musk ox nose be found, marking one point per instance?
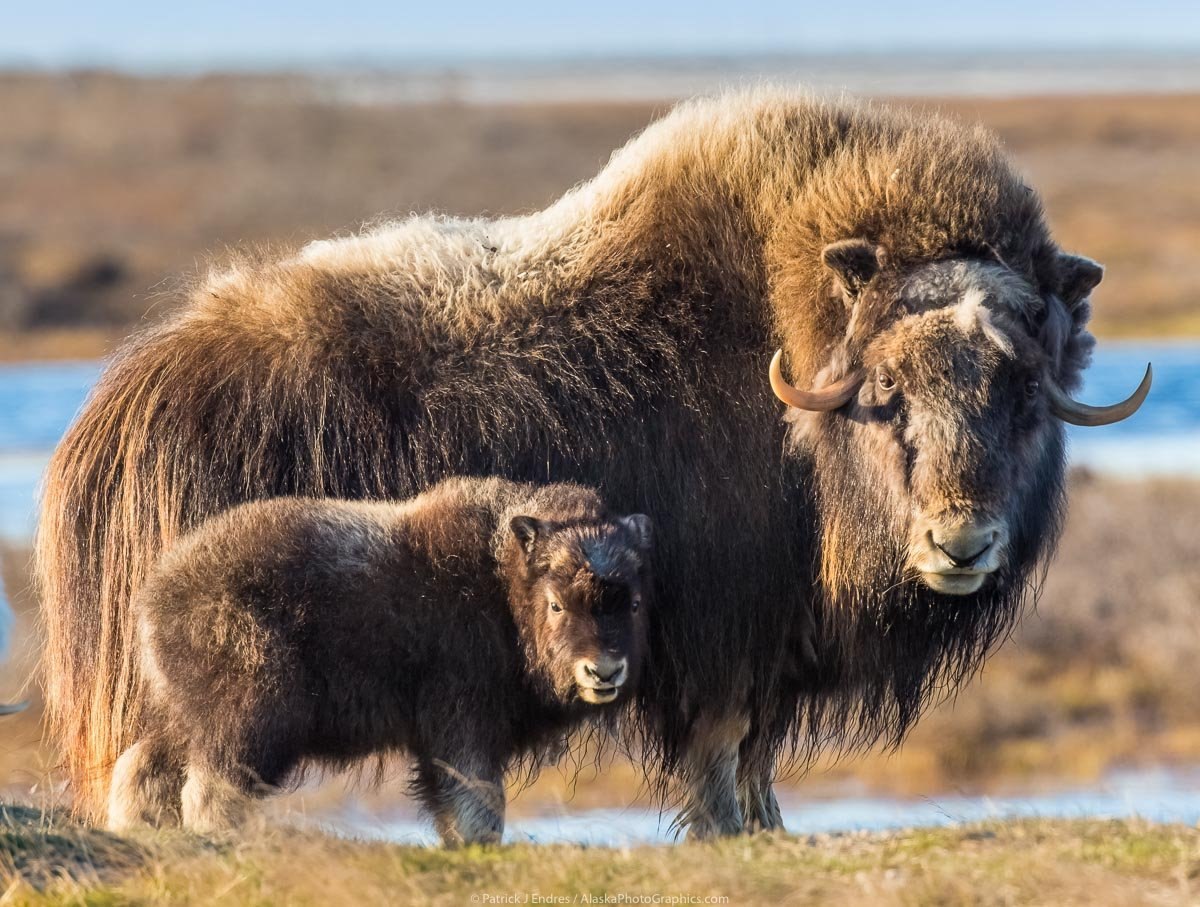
(956, 557)
(964, 545)
(605, 671)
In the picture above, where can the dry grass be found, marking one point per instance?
(1037, 862)
(118, 184)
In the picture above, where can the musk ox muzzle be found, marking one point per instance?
(599, 680)
(955, 557)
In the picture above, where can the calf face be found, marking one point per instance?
(580, 604)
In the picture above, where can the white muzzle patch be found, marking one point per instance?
(599, 680)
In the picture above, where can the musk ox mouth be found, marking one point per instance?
(598, 695)
(599, 680)
(956, 582)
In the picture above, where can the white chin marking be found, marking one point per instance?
(598, 697)
(954, 583)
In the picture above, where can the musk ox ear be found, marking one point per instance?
(1078, 276)
(526, 529)
(855, 261)
(640, 527)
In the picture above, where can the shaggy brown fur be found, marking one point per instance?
(618, 338)
(472, 627)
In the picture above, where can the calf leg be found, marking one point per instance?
(212, 800)
(465, 800)
(709, 780)
(251, 756)
(146, 786)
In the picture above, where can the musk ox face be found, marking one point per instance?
(953, 421)
(581, 609)
(942, 428)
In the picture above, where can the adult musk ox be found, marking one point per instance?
(815, 594)
(472, 626)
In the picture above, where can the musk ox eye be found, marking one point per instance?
(885, 381)
(634, 605)
(1032, 386)
(555, 607)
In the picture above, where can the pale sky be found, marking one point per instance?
(141, 33)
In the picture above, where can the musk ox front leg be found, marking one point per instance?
(755, 777)
(466, 800)
(709, 776)
(760, 809)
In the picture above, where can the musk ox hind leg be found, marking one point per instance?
(213, 801)
(709, 780)
(146, 787)
(225, 775)
(467, 804)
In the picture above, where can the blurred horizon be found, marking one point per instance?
(141, 36)
(1117, 53)
(650, 77)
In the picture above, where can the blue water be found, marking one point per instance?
(1164, 437)
(1157, 795)
(38, 401)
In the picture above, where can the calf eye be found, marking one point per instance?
(1031, 387)
(555, 607)
(885, 380)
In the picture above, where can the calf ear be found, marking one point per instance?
(527, 530)
(855, 261)
(1077, 277)
(640, 527)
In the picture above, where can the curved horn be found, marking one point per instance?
(819, 401)
(1081, 414)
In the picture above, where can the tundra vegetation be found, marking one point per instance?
(46, 858)
(126, 183)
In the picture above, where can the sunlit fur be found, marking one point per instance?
(295, 632)
(619, 338)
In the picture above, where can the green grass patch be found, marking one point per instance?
(46, 858)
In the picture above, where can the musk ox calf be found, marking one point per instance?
(471, 627)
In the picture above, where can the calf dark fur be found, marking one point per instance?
(473, 627)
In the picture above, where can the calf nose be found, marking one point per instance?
(964, 543)
(605, 670)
